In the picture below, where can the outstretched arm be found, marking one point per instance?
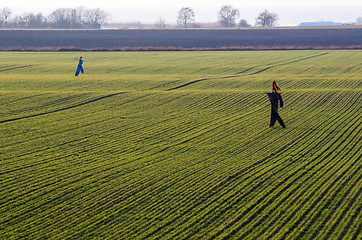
(281, 100)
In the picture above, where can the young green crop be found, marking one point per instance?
(176, 145)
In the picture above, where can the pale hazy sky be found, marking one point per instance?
(150, 11)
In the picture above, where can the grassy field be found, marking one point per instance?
(176, 145)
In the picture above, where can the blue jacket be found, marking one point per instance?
(79, 68)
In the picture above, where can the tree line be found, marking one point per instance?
(61, 18)
(82, 18)
(227, 16)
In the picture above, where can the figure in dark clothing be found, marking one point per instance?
(80, 67)
(275, 99)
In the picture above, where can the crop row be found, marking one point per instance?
(219, 71)
(194, 162)
(119, 166)
(223, 213)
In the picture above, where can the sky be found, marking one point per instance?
(290, 12)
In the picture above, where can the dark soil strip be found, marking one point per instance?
(286, 63)
(14, 68)
(240, 73)
(62, 109)
(189, 83)
(185, 39)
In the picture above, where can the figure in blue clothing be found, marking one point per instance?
(80, 67)
(275, 98)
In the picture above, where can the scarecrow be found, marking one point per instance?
(275, 99)
(80, 67)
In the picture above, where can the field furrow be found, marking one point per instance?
(115, 154)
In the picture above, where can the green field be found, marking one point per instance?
(177, 145)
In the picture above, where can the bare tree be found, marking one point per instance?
(243, 23)
(227, 16)
(93, 16)
(31, 20)
(63, 18)
(359, 21)
(266, 19)
(77, 18)
(186, 17)
(5, 15)
(66, 18)
(161, 23)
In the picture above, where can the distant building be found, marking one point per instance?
(96, 26)
(329, 23)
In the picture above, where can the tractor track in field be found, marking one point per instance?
(217, 188)
(308, 197)
(340, 218)
(61, 109)
(286, 187)
(272, 65)
(342, 185)
(286, 63)
(51, 103)
(189, 83)
(235, 175)
(254, 215)
(240, 173)
(15, 68)
(184, 164)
